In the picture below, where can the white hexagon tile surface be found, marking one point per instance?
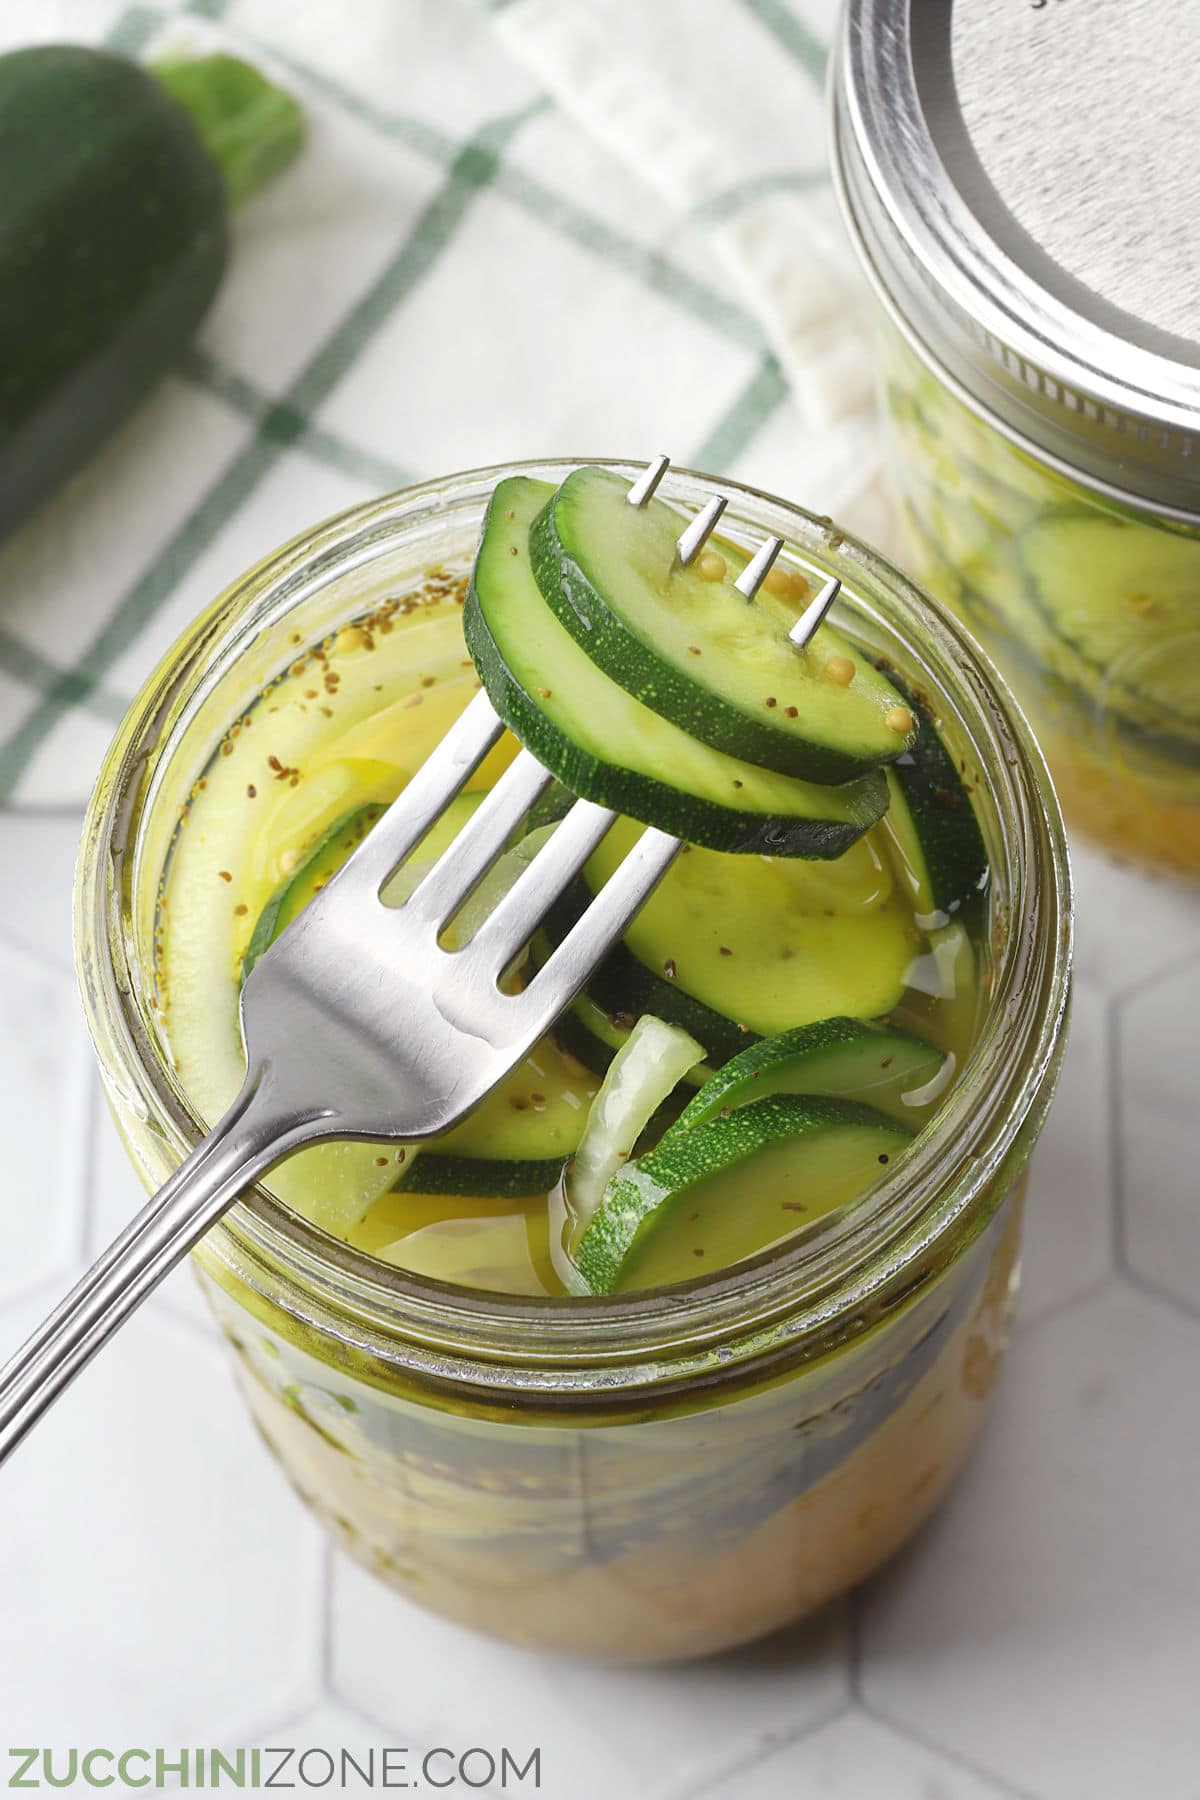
(856, 1758)
(159, 1585)
(1048, 1625)
(1159, 1176)
(603, 1730)
(1041, 1639)
(47, 1081)
(1067, 1246)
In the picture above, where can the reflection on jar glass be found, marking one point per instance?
(651, 1474)
(1040, 436)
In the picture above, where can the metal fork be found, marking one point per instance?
(358, 1024)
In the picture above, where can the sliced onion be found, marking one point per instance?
(641, 1075)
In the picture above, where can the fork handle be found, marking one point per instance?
(255, 1134)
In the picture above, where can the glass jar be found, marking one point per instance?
(647, 1476)
(1040, 363)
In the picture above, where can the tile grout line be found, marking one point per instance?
(374, 1721)
(1025, 1323)
(899, 1729)
(1149, 978)
(1161, 1296)
(470, 174)
(773, 1741)
(767, 1747)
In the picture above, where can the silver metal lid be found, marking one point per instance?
(1022, 180)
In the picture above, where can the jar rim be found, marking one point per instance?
(963, 279)
(800, 1291)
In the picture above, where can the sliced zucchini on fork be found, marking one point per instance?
(604, 743)
(685, 642)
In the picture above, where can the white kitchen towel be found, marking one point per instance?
(517, 228)
(717, 105)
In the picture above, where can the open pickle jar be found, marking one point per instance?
(640, 1474)
(1011, 177)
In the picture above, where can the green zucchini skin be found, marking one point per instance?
(573, 1036)
(1082, 568)
(642, 1197)
(838, 1058)
(113, 241)
(943, 818)
(322, 860)
(831, 734)
(621, 984)
(804, 819)
(480, 1177)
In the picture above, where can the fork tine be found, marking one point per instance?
(758, 568)
(692, 540)
(591, 937)
(644, 487)
(445, 770)
(486, 833)
(513, 921)
(814, 613)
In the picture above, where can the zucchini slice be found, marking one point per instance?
(707, 1197)
(589, 1033)
(293, 894)
(734, 950)
(479, 1177)
(1127, 600)
(1000, 609)
(894, 1071)
(593, 1033)
(932, 822)
(624, 986)
(695, 650)
(328, 854)
(536, 1113)
(504, 1250)
(602, 742)
(643, 1073)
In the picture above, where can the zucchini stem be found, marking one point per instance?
(250, 128)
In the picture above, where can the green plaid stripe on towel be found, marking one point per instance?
(518, 228)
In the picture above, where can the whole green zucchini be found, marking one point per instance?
(116, 182)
